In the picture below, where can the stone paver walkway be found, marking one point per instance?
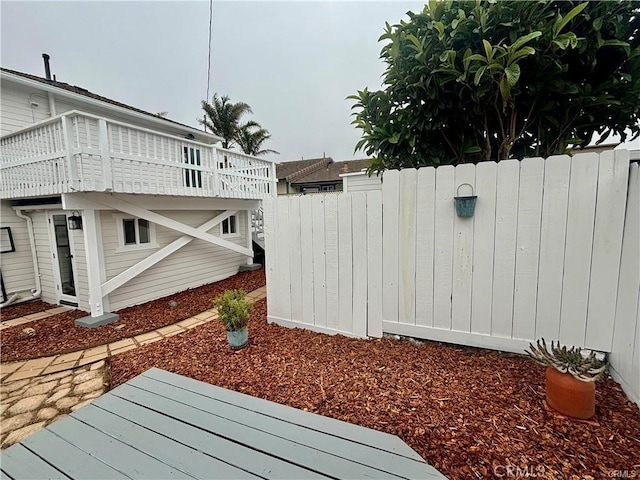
(31, 404)
(34, 393)
(33, 316)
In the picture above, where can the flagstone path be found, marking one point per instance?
(34, 393)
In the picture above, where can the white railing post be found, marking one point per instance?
(214, 166)
(67, 132)
(274, 181)
(103, 142)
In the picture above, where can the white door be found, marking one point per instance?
(64, 265)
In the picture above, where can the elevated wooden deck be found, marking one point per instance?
(163, 425)
(80, 152)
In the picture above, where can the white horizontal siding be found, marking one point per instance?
(17, 267)
(361, 183)
(17, 112)
(195, 264)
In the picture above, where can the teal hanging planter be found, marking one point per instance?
(465, 206)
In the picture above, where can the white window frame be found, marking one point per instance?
(230, 234)
(122, 247)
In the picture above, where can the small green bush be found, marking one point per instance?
(233, 309)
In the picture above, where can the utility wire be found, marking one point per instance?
(209, 57)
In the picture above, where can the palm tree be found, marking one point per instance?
(250, 141)
(223, 118)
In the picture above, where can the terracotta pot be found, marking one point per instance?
(570, 396)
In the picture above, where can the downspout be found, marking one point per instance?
(36, 292)
(52, 105)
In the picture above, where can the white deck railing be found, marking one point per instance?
(79, 152)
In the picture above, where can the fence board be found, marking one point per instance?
(406, 242)
(505, 247)
(331, 259)
(483, 243)
(425, 230)
(319, 266)
(282, 260)
(528, 248)
(443, 268)
(306, 240)
(577, 259)
(555, 201)
(613, 177)
(625, 351)
(359, 232)
(462, 254)
(374, 266)
(270, 253)
(390, 205)
(295, 259)
(345, 264)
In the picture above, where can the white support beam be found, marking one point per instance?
(81, 200)
(95, 262)
(164, 252)
(126, 207)
(249, 237)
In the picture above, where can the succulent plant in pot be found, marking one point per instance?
(570, 378)
(233, 311)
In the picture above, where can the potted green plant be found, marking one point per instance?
(570, 378)
(233, 311)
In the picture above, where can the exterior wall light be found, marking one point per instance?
(75, 221)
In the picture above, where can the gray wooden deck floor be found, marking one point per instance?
(163, 425)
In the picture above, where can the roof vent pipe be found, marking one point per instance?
(47, 69)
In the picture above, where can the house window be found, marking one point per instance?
(192, 178)
(328, 188)
(229, 227)
(135, 234)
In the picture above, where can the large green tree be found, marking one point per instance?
(468, 81)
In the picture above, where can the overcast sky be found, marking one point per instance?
(293, 62)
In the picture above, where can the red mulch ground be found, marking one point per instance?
(468, 412)
(22, 309)
(58, 334)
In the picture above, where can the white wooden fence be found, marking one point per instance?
(540, 257)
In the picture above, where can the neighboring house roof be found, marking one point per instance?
(292, 171)
(86, 93)
(332, 171)
(595, 148)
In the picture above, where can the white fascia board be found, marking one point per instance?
(83, 200)
(107, 106)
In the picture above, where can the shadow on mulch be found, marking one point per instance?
(471, 413)
(58, 334)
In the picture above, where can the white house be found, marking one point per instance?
(105, 206)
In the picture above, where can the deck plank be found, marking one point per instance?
(281, 448)
(20, 463)
(70, 459)
(173, 453)
(163, 425)
(114, 453)
(338, 428)
(255, 462)
(391, 464)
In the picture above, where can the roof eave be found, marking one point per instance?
(108, 106)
